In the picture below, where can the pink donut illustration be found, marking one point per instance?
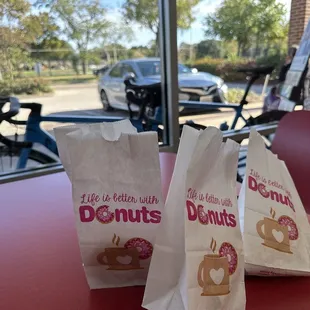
(144, 247)
(104, 215)
(292, 227)
(227, 250)
(202, 216)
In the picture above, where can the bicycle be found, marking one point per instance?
(22, 153)
(148, 97)
(253, 74)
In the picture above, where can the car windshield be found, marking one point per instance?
(149, 68)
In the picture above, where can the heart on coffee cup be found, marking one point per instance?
(217, 276)
(124, 260)
(278, 235)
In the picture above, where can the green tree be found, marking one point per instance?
(51, 49)
(271, 25)
(247, 21)
(146, 13)
(120, 33)
(83, 22)
(211, 48)
(233, 20)
(13, 38)
(140, 52)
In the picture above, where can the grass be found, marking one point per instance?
(235, 95)
(48, 73)
(70, 79)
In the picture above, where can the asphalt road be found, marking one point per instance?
(84, 100)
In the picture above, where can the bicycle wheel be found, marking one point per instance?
(9, 158)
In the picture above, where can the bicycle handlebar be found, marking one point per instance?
(256, 70)
(14, 108)
(7, 116)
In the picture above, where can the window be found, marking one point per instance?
(183, 69)
(149, 68)
(127, 68)
(116, 72)
(49, 46)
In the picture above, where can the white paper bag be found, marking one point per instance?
(272, 218)
(60, 133)
(198, 260)
(117, 196)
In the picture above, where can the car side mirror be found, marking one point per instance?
(129, 76)
(194, 70)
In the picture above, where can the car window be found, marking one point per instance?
(117, 71)
(128, 69)
(184, 69)
(149, 68)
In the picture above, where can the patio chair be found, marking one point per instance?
(292, 145)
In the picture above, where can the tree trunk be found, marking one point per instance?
(239, 49)
(115, 54)
(84, 66)
(49, 67)
(108, 57)
(257, 49)
(191, 53)
(157, 45)
(75, 64)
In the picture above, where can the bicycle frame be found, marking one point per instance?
(213, 105)
(35, 134)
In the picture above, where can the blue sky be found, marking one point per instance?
(196, 34)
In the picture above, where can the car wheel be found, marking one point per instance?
(105, 101)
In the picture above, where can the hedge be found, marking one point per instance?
(24, 86)
(227, 69)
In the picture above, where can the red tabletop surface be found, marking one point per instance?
(40, 264)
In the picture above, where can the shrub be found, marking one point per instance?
(275, 60)
(226, 69)
(24, 86)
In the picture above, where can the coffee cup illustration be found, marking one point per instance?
(213, 275)
(127, 257)
(215, 270)
(277, 234)
(120, 258)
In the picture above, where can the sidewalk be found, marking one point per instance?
(74, 85)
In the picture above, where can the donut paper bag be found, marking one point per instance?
(117, 198)
(198, 260)
(273, 220)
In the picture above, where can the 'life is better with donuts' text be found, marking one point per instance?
(100, 208)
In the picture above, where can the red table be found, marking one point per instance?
(40, 265)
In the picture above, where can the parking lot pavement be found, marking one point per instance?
(85, 101)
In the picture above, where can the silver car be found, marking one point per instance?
(193, 85)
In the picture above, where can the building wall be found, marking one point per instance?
(300, 14)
